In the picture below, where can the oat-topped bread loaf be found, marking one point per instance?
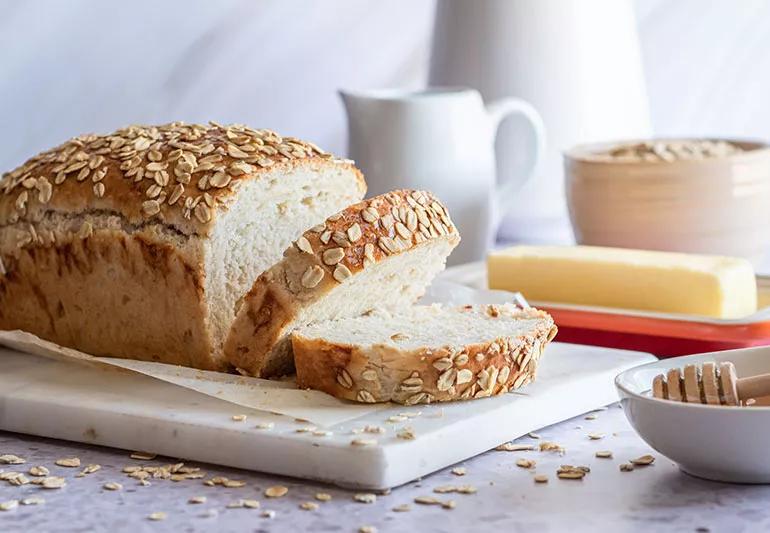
(423, 354)
(139, 243)
(381, 252)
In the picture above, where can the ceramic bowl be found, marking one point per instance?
(712, 206)
(714, 442)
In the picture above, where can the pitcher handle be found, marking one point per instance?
(498, 111)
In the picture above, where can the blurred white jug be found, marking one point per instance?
(577, 61)
(440, 139)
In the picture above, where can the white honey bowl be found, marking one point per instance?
(720, 443)
(709, 206)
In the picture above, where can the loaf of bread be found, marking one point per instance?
(423, 354)
(139, 243)
(381, 252)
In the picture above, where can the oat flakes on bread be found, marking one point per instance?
(140, 242)
(382, 252)
(423, 354)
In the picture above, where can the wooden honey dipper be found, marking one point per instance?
(710, 384)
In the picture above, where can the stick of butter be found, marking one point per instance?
(714, 286)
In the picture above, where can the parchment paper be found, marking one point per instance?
(282, 397)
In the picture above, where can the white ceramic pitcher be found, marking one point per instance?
(577, 61)
(440, 139)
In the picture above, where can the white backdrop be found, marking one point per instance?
(68, 67)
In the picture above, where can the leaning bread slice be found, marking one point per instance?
(423, 354)
(381, 252)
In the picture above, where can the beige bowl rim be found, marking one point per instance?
(591, 152)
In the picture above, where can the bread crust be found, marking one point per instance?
(112, 294)
(363, 234)
(383, 372)
(108, 173)
(85, 264)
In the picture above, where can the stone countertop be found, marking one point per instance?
(653, 498)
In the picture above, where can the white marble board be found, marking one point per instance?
(54, 399)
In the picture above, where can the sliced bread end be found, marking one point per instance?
(424, 354)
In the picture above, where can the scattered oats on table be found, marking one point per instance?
(604, 454)
(243, 504)
(39, 471)
(540, 478)
(365, 497)
(323, 496)
(595, 436)
(10, 459)
(367, 529)
(277, 491)
(233, 484)
(197, 499)
(308, 506)
(430, 500)
(461, 489)
(267, 514)
(644, 460)
(265, 425)
(112, 485)
(90, 469)
(626, 467)
(9, 505)
(157, 516)
(525, 463)
(590, 417)
(403, 508)
(17, 478)
(53, 482)
(572, 472)
(238, 418)
(143, 456)
(34, 500)
(406, 434)
(547, 446)
(459, 471)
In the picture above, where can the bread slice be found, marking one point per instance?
(423, 354)
(382, 252)
(139, 243)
